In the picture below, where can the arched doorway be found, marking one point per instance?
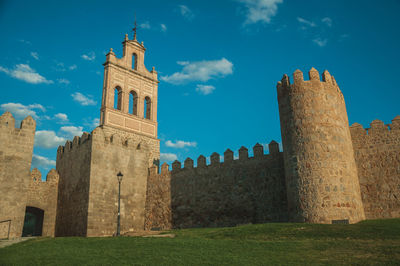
(33, 223)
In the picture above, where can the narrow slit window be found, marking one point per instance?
(133, 101)
(117, 98)
(147, 108)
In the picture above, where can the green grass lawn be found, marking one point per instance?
(368, 242)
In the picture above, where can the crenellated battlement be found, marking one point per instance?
(51, 178)
(75, 144)
(228, 158)
(7, 122)
(377, 128)
(328, 82)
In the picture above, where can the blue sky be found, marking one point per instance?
(218, 64)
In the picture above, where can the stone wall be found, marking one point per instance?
(73, 166)
(320, 169)
(377, 153)
(247, 190)
(113, 152)
(16, 146)
(43, 195)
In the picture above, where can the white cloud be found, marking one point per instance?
(186, 12)
(260, 10)
(95, 122)
(306, 22)
(89, 56)
(25, 42)
(200, 71)
(63, 81)
(25, 73)
(82, 99)
(205, 89)
(167, 157)
(179, 144)
(21, 111)
(71, 131)
(42, 162)
(145, 25)
(35, 55)
(163, 27)
(72, 67)
(48, 139)
(62, 117)
(327, 21)
(320, 42)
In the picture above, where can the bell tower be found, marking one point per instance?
(129, 101)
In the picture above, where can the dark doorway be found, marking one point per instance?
(33, 223)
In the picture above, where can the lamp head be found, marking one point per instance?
(119, 176)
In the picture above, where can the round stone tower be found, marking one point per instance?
(320, 170)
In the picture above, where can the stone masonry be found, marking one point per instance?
(327, 172)
(19, 187)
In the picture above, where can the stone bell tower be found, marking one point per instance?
(125, 141)
(129, 99)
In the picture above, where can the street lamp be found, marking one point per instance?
(119, 177)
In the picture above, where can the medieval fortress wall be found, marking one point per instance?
(89, 187)
(43, 195)
(377, 154)
(20, 188)
(328, 172)
(235, 191)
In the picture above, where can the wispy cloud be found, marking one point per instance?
(48, 139)
(72, 67)
(89, 56)
(260, 10)
(63, 118)
(71, 131)
(327, 21)
(168, 157)
(320, 42)
(163, 27)
(83, 99)
(35, 55)
(145, 25)
(186, 12)
(306, 22)
(200, 71)
(63, 81)
(205, 89)
(21, 111)
(179, 144)
(42, 162)
(25, 73)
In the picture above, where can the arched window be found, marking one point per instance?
(117, 98)
(147, 108)
(134, 61)
(133, 101)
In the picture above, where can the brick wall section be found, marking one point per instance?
(320, 169)
(43, 195)
(73, 166)
(247, 190)
(113, 152)
(377, 153)
(16, 146)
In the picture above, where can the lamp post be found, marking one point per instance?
(119, 177)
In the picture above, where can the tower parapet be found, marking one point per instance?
(320, 170)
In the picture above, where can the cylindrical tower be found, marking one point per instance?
(320, 170)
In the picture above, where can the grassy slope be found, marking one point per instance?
(368, 242)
